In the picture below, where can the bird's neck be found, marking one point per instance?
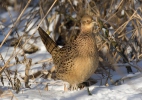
(85, 31)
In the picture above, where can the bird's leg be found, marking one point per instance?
(73, 87)
(87, 86)
(89, 93)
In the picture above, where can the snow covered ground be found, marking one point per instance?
(129, 89)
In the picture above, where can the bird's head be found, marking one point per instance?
(87, 23)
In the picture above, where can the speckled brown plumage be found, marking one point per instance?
(77, 60)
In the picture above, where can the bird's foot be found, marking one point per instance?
(87, 83)
(73, 87)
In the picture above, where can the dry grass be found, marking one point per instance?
(113, 18)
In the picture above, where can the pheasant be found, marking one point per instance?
(77, 60)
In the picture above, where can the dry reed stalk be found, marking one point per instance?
(39, 62)
(124, 25)
(33, 32)
(28, 65)
(46, 87)
(15, 23)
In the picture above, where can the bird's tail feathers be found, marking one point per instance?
(48, 42)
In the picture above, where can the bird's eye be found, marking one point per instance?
(88, 21)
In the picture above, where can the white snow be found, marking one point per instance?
(131, 90)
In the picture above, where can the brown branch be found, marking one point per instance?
(15, 23)
(28, 65)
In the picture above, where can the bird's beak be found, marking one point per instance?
(93, 21)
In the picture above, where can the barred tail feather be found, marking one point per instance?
(48, 42)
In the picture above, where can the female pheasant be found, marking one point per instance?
(77, 60)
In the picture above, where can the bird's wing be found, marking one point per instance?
(65, 55)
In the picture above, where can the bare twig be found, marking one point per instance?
(15, 23)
